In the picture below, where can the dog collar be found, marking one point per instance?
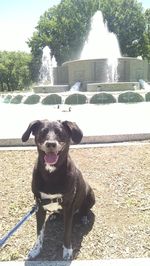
(50, 198)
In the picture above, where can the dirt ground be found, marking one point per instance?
(119, 223)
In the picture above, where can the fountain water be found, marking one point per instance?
(46, 71)
(102, 44)
(47, 77)
(100, 67)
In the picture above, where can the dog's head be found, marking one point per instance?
(53, 139)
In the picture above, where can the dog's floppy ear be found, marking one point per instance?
(33, 126)
(74, 131)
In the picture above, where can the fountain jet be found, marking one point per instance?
(102, 44)
(48, 63)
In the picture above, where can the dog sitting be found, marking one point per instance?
(56, 176)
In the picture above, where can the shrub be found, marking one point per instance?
(130, 97)
(32, 99)
(7, 98)
(52, 99)
(102, 98)
(16, 99)
(147, 97)
(76, 98)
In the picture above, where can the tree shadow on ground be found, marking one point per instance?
(53, 237)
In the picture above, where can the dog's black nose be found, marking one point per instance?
(51, 144)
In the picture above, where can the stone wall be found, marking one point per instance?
(95, 71)
(119, 86)
(60, 75)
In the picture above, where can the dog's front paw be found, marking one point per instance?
(35, 251)
(67, 253)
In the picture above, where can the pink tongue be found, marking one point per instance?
(51, 158)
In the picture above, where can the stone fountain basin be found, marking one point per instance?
(92, 73)
(95, 70)
(50, 88)
(91, 87)
(112, 87)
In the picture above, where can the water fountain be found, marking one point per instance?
(46, 70)
(46, 75)
(100, 67)
(103, 45)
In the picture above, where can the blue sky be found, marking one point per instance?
(18, 18)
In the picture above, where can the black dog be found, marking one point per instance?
(55, 177)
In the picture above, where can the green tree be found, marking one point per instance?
(14, 70)
(64, 28)
(126, 19)
(145, 51)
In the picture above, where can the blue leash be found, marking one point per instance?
(12, 231)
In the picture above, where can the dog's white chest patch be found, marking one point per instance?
(50, 196)
(50, 168)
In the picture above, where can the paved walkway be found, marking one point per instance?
(103, 123)
(118, 262)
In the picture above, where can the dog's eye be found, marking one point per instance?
(44, 132)
(58, 133)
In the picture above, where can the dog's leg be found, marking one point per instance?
(86, 206)
(67, 247)
(40, 218)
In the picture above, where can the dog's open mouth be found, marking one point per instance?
(51, 158)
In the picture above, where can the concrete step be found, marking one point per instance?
(111, 262)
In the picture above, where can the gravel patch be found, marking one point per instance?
(119, 223)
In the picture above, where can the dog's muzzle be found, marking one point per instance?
(51, 150)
